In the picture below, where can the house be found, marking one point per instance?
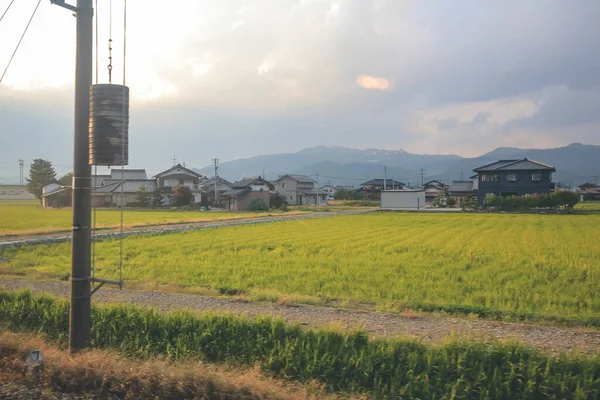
(462, 191)
(56, 195)
(372, 189)
(329, 190)
(208, 186)
(242, 193)
(299, 190)
(15, 192)
(589, 192)
(514, 178)
(434, 189)
(117, 193)
(180, 175)
(255, 183)
(403, 199)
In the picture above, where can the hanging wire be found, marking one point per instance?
(20, 40)
(124, 38)
(123, 140)
(110, 43)
(96, 38)
(5, 11)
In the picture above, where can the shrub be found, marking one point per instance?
(182, 196)
(258, 205)
(555, 200)
(277, 200)
(450, 201)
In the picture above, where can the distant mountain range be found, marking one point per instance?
(575, 164)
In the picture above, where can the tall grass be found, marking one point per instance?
(523, 265)
(342, 361)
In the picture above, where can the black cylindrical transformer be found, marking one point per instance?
(109, 125)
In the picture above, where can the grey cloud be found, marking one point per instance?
(435, 53)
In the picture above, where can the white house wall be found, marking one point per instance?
(402, 200)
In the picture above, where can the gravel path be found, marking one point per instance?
(429, 328)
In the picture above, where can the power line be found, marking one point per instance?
(5, 11)
(20, 40)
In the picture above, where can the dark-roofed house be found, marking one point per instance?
(300, 190)
(433, 189)
(461, 191)
(514, 178)
(208, 186)
(372, 189)
(243, 192)
(115, 192)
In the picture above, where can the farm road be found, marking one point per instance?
(428, 328)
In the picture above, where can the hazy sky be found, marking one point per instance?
(236, 78)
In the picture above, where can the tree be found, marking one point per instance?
(182, 196)
(143, 197)
(277, 200)
(158, 195)
(66, 179)
(41, 172)
(450, 201)
(346, 194)
(257, 205)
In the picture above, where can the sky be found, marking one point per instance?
(237, 78)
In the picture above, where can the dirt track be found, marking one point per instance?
(429, 328)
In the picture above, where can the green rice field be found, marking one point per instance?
(18, 218)
(547, 265)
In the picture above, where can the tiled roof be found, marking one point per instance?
(129, 186)
(514, 165)
(179, 167)
(379, 182)
(128, 174)
(236, 192)
(298, 178)
(461, 186)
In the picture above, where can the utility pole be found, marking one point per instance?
(263, 175)
(216, 162)
(385, 177)
(318, 189)
(462, 175)
(393, 182)
(174, 159)
(21, 165)
(422, 174)
(80, 323)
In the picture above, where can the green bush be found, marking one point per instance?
(555, 200)
(258, 205)
(342, 361)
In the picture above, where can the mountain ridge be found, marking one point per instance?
(575, 163)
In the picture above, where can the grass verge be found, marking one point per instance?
(346, 362)
(106, 374)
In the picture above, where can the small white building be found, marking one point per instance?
(403, 199)
(329, 190)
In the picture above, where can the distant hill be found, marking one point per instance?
(575, 164)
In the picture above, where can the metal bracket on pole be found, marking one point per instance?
(61, 3)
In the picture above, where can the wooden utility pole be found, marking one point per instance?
(385, 177)
(80, 323)
(216, 162)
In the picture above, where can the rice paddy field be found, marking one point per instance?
(17, 218)
(588, 206)
(544, 265)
